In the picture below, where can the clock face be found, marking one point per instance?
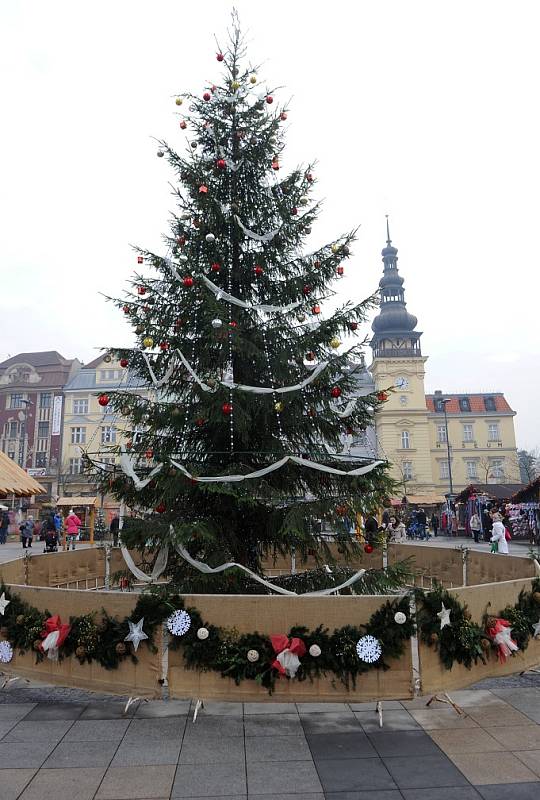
(402, 383)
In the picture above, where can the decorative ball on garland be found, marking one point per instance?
(207, 96)
(334, 248)
(353, 326)
(258, 270)
(103, 400)
(382, 397)
(252, 656)
(368, 548)
(179, 622)
(335, 392)
(316, 309)
(335, 343)
(283, 116)
(140, 259)
(203, 189)
(215, 267)
(187, 281)
(203, 634)
(278, 407)
(275, 164)
(216, 323)
(315, 651)
(160, 153)
(6, 652)
(178, 101)
(400, 618)
(141, 289)
(307, 289)
(210, 238)
(220, 57)
(199, 422)
(368, 649)
(235, 85)
(340, 271)
(161, 508)
(126, 309)
(124, 362)
(148, 341)
(227, 408)
(221, 163)
(183, 125)
(269, 99)
(164, 345)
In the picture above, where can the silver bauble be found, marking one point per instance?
(315, 650)
(400, 617)
(202, 633)
(253, 656)
(217, 323)
(210, 237)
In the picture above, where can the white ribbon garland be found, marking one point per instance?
(346, 412)
(265, 237)
(158, 382)
(222, 294)
(158, 569)
(126, 465)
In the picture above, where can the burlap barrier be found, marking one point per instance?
(429, 563)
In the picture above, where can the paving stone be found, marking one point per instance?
(15, 710)
(214, 708)
(273, 725)
(150, 752)
(531, 759)
(90, 754)
(278, 777)
(96, 730)
(474, 697)
(455, 741)
(492, 768)
(498, 716)
(417, 772)
(388, 705)
(442, 719)
(24, 754)
(163, 708)
(42, 731)
(213, 750)
(213, 726)
(136, 783)
(392, 721)
(277, 748)
(64, 784)
(108, 711)
(55, 711)
(340, 745)
(13, 781)
(378, 794)
(523, 737)
(403, 743)
(6, 725)
(331, 723)
(269, 708)
(323, 708)
(142, 730)
(512, 791)
(351, 775)
(302, 796)
(193, 780)
(443, 793)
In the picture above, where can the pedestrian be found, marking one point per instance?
(73, 523)
(371, 528)
(397, 530)
(4, 524)
(476, 527)
(27, 532)
(435, 524)
(58, 522)
(498, 535)
(421, 520)
(114, 527)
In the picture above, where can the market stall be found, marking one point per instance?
(480, 499)
(15, 483)
(85, 508)
(524, 513)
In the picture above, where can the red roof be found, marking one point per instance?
(476, 402)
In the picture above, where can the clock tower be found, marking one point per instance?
(402, 425)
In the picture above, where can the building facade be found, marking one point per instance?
(411, 426)
(31, 412)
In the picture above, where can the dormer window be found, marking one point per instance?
(439, 406)
(489, 404)
(464, 404)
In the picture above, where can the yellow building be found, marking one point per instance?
(411, 427)
(88, 426)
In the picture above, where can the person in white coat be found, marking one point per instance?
(498, 534)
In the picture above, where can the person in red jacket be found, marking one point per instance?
(73, 523)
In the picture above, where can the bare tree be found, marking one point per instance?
(527, 463)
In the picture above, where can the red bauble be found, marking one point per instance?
(183, 125)
(161, 508)
(258, 270)
(316, 309)
(353, 326)
(221, 163)
(181, 240)
(103, 399)
(126, 309)
(187, 281)
(149, 453)
(140, 259)
(340, 270)
(283, 116)
(316, 264)
(294, 211)
(178, 323)
(124, 362)
(382, 397)
(203, 189)
(220, 56)
(311, 412)
(207, 96)
(269, 99)
(233, 324)
(310, 356)
(335, 391)
(307, 289)
(368, 548)
(164, 345)
(129, 444)
(227, 408)
(309, 177)
(275, 164)
(141, 289)
(216, 267)
(199, 422)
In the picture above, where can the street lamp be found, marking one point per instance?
(444, 401)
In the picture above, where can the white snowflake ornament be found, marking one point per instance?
(6, 652)
(368, 649)
(179, 622)
(400, 617)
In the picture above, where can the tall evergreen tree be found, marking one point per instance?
(246, 368)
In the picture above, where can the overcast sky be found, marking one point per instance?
(421, 109)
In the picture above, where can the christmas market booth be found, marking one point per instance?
(15, 482)
(480, 499)
(85, 508)
(524, 513)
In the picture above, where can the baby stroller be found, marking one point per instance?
(51, 542)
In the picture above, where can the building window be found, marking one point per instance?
(41, 459)
(468, 433)
(80, 406)
(489, 404)
(12, 429)
(444, 472)
(78, 435)
(407, 471)
(109, 374)
(441, 433)
(11, 455)
(439, 406)
(493, 432)
(45, 400)
(497, 468)
(464, 404)
(405, 440)
(16, 401)
(472, 471)
(75, 466)
(43, 430)
(108, 434)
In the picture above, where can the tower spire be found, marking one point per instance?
(388, 239)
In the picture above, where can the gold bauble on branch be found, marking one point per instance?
(148, 341)
(278, 406)
(335, 343)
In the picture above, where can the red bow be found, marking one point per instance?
(281, 642)
(55, 624)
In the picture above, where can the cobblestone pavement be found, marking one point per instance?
(61, 744)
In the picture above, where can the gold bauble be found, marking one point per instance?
(253, 79)
(278, 407)
(335, 342)
(178, 101)
(334, 248)
(148, 341)
(303, 201)
(235, 85)
(485, 644)
(80, 652)
(19, 619)
(120, 648)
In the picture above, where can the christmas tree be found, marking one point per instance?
(248, 374)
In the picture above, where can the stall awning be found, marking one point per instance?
(422, 500)
(14, 480)
(76, 501)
